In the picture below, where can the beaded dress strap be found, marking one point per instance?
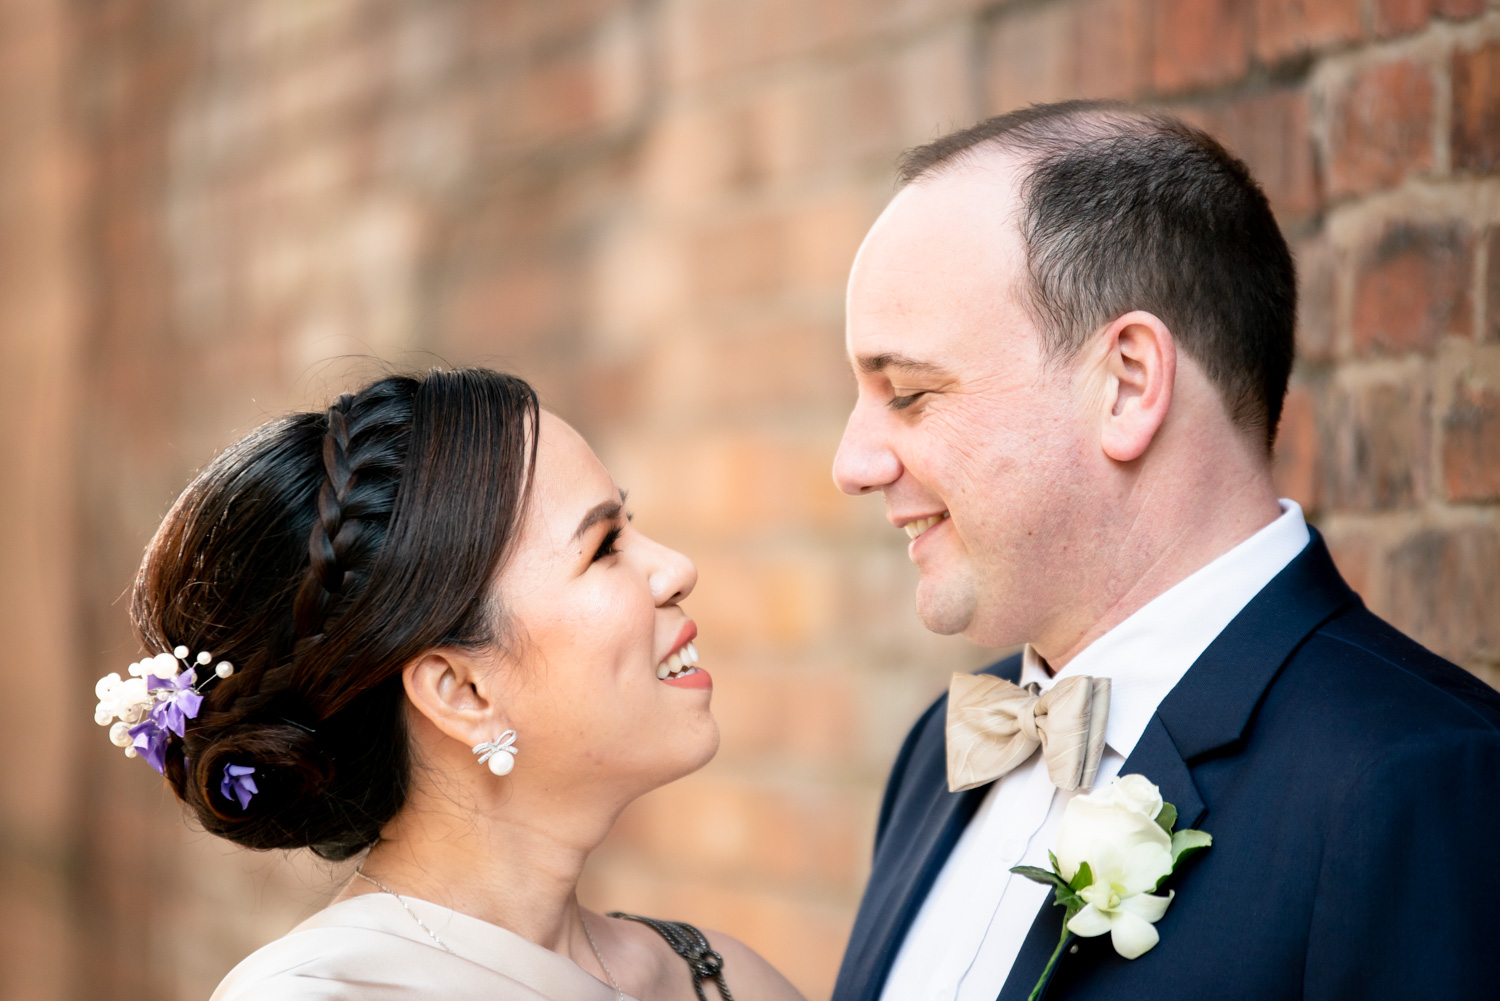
(689, 943)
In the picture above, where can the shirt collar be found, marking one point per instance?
(1147, 654)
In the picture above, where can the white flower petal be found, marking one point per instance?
(1089, 922)
(1132, 936)
(1106, 863)
(1134, 792)
(1086, 821)
(1147, 906)
(1144, 867)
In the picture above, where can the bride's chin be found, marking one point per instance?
(697, 748)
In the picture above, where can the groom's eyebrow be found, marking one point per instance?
(603, 511)
(898, 361)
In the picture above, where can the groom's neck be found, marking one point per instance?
(1174, 517)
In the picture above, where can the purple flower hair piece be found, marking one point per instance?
(238, 783)
(180, 704)
(156, 701)
(151, 741)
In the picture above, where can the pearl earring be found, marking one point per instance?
(500, 753)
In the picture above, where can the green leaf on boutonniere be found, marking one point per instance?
(1185, 843)
(1168, 817)
(1039, 875)
(1082, 879)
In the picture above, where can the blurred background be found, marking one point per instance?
(648, 208)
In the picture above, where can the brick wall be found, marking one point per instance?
(648, 207)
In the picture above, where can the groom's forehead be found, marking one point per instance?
(950, 239)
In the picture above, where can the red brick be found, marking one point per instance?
(1113, 56)
(1296, 461)
(555, 99)
(1317, 271)
(1198, 42)
(513, 310)
(1375, 443)
(1412, 288)
(1380, 128)
(1442, 591)
(1030, 58)
(1091, 49)
(1476, 108)
(1471, 444)
(1492, 287)
(1354, 554)
(1288, 27)
(1400, 17)
(744, 256)
(1270, 132)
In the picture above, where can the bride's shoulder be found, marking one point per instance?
(303, 965)
(747, 973)
(658, 970)
(338, 954)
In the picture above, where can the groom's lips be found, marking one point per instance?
(919, 528)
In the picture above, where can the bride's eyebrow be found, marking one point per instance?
(604, 511)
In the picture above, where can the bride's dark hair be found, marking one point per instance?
(319, 555)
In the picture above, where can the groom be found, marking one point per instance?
(1072, 330)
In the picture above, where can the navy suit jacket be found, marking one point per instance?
(1350, 779)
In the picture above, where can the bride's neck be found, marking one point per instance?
(512, 863)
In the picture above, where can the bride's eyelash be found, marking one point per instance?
(607, 547)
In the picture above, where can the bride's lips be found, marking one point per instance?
(696, 678)
(679, 667)
(688, 634)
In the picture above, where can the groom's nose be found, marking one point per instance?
(864, 461)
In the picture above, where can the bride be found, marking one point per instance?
(419, 630)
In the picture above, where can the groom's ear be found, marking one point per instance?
(1138, 369)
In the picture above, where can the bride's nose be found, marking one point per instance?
(672, 578)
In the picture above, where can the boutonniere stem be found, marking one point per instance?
(1115, 849)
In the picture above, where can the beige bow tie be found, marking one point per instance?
(994, 725)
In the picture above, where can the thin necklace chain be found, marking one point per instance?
(420, 923)
(619, 994)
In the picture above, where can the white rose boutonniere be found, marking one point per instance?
(1115, 849)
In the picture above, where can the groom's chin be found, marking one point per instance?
(945, 607)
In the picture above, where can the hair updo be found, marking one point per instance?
(320, 554)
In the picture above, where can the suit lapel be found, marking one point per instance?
(1207, 710)
(926, 823)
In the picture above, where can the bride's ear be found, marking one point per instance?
(454, 689)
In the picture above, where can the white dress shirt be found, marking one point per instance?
(970, 928)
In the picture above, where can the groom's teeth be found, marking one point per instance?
(916, 528)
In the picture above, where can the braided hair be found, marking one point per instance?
(321, 554)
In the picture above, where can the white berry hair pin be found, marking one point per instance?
(160, 696)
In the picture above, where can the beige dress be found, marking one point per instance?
(368, 948)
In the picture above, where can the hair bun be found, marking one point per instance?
(292, 773)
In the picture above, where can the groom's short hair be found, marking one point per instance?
(1128, 209)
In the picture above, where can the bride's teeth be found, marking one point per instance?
(690, 653)
(662, 672)
(674, 664)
